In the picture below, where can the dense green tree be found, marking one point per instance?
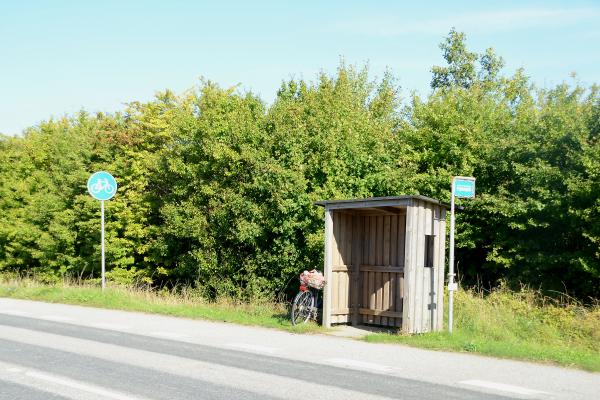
(217, 189)
(528, 149)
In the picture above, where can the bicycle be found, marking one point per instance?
(102, 185)
(307, 302)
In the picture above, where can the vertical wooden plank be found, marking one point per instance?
(328, 260)
(338, 228)
(344, 290)
(419, 271)
(378, 295)
(347, 299)
(433, 298)
(401, 239)
(379, 241)
(348, 240)
(364, 277)
(340, 238)
(431, 306)
(334, 293)
(386, 240)
(408, 280)
(343, 297)
(348, 243)
(365, 293)
(442, 268)
(347, 290)
(372, 237)
(365, 241)
(428, 218)
(394, 241)
(431, 303)
(366, 261)
(392, 297)
(427, 272)
(401, 295)
(343, 239)
(352, 278)
(385, 303)
(357, 246)
(371, 295)
(401, 244)
(342, 283)
(336, 238)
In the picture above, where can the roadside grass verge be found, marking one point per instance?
(522, 325)
(184, 304)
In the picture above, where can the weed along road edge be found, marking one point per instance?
(86, 353)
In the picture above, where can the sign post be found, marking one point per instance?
(464, 187)
(102, 186)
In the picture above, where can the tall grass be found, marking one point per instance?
(522, 325)
(185, 302)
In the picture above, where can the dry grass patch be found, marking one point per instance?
(521, 325)
(185, 303)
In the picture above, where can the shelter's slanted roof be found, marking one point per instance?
(377, 202)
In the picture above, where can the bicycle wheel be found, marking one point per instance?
(302, 307)
(96, 187)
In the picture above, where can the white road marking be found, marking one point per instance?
(503, 387)
(80, 386)
(14, 312)
(170, 335)
(255, 348)
(264, 384)
(14, 370)
(58, 318)
(360, 365)
(113, 327)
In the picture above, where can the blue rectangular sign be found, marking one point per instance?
(464, 187)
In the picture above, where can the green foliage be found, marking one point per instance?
(216, 188)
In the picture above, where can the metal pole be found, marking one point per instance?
(451, 265)
(102, 236)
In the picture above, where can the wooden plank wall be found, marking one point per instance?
(423, 308)
(367, 280)
(441, 266)
(330, 248)
(377, 268)
(382, 270)
(342, 271)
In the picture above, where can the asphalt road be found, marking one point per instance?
(50, 351)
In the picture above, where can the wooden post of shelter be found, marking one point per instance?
(328, 267)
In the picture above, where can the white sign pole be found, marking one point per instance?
(102, 238)
(451, 284)
(102, 186)
(462, 186)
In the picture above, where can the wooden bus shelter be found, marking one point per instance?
(384, 262)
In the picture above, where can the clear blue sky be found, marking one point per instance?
(57, 57)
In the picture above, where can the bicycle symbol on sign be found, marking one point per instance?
(102, 185)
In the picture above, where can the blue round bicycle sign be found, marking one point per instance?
(102, 185)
